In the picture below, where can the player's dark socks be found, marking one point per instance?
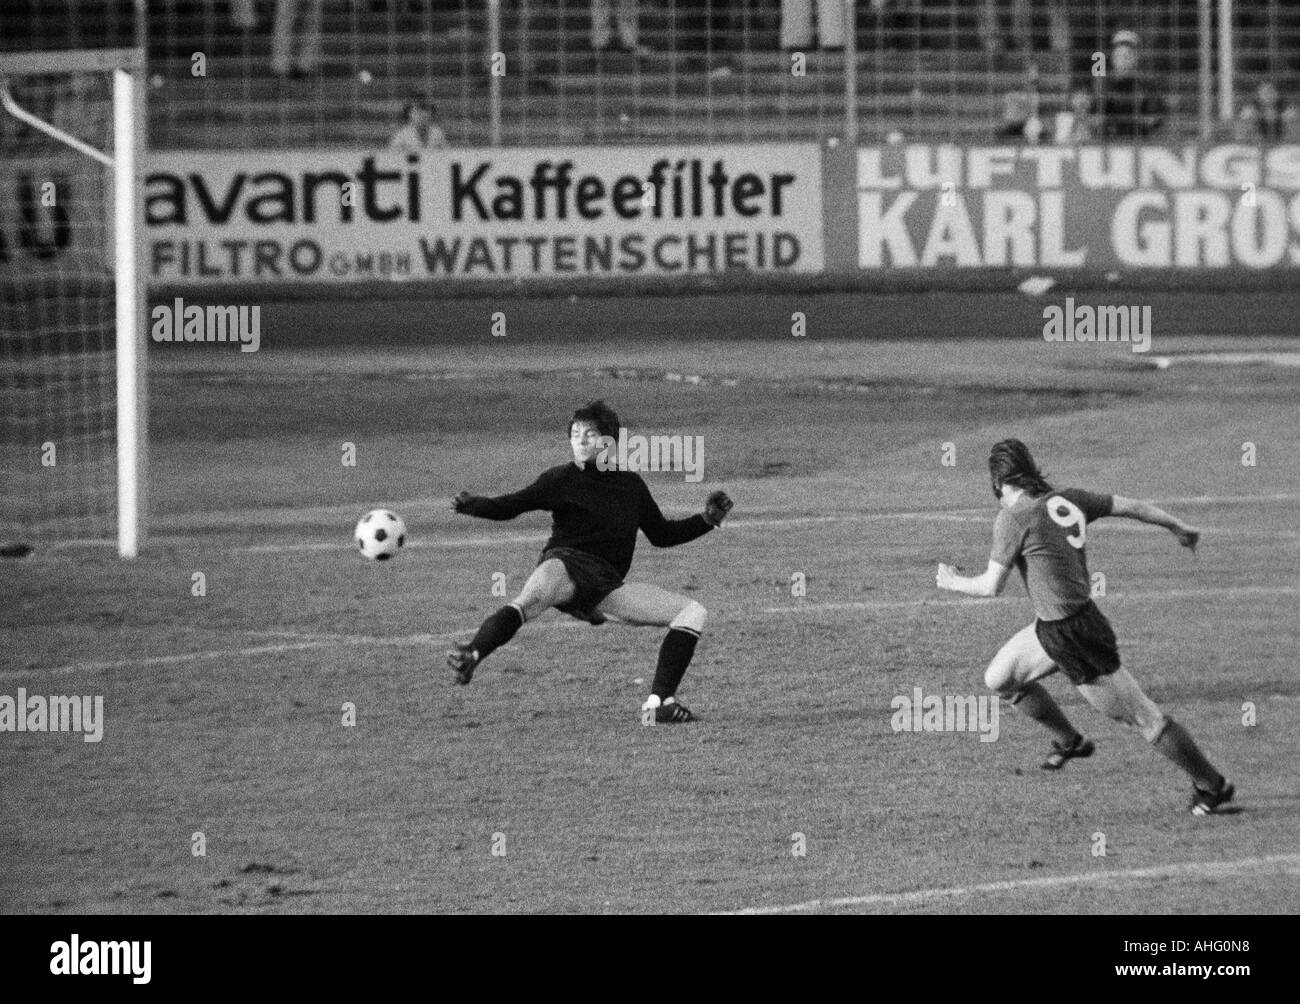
(1034, 701)
(496, 631)
(1177, 744)
(674, 656)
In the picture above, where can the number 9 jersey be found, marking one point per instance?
(1044, 537)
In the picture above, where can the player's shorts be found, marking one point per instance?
(594, 579)
(1082, 645)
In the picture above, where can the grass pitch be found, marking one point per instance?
(224, 711)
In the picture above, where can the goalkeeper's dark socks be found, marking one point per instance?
(1177, 744)
(1034, 701)
(674, 656)
(497, 630)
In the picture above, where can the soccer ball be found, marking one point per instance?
(380, 534)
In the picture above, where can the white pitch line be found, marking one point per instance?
(311, 640)
(956, 516)
(1220, 499)
(307, 640)
(232, 653)
(973, 515)
(1229, 359)
(1273, 864)
(733, 526)
(323, 545)
(1224, 592)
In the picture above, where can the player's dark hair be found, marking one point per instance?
(600, 415)
(1011, 463)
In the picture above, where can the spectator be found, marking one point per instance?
(1074, 123)
(1058, 26)
(307, 32)
(242, 15)
(1125, 107)
(1245, 124)
(616, 19)
(1021, 35)
(1290, 121)
(1260, 120)
(797, 24)
(1270, 111)
(1019, 118)
(418, 132)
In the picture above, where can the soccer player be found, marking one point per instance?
(1042, 532)
(596, 516)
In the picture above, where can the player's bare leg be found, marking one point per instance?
(1119, 696)
(1014, 673)
(637, 603)
(547, 586)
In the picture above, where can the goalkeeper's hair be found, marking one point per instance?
(600, 415)
(1011, 463)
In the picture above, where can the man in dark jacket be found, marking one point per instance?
(1126, 107)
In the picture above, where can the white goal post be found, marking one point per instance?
(123, 161)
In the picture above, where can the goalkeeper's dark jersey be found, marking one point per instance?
(595, 511)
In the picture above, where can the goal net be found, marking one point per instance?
(72, 429)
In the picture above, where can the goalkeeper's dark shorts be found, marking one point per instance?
(594, 579)
(1082, 645)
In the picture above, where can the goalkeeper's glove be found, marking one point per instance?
(716, 508)
(460, 501)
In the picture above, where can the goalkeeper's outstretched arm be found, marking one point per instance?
(1149, 512)
(503, 506)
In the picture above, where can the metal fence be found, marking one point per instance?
(272, 73)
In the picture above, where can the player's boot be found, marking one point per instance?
(1206, 803)
(1060, 754)
(673, 712)
(462, 659)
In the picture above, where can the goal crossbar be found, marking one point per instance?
(70, 61)
(10, 105)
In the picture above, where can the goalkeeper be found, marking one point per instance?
(597, 514)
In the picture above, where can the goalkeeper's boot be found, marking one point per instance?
(1061, 753)
(1207, 803)
(463, 660)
